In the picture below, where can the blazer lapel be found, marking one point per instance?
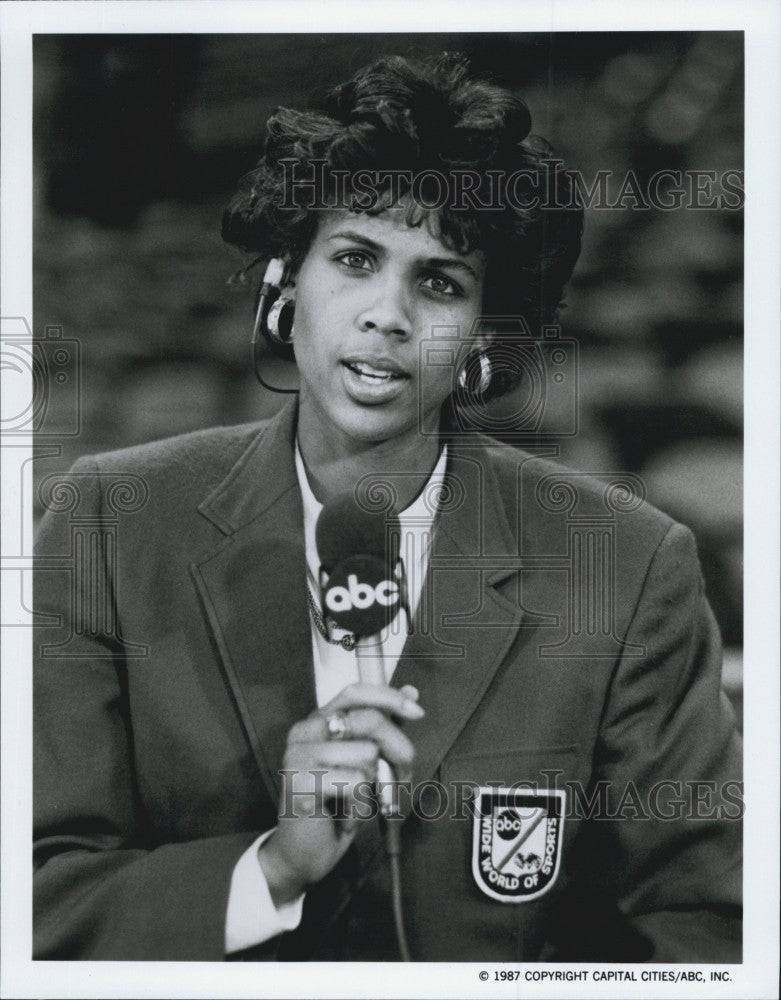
(253, 590)
(464, 625)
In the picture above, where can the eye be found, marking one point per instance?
(442, 285)
(356, 260)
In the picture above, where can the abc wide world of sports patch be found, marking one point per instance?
(516, 842)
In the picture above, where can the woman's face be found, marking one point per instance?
(369, 292)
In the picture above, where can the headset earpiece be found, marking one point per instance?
(274, 314)
(279, 321)
(273, 323)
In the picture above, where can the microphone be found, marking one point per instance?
(363, 589)
(363, 586)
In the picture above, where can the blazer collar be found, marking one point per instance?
(263, 475)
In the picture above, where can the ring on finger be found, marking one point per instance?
(338, 725)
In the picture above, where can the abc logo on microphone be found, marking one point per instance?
(360, 597)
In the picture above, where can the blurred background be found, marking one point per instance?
(139, 141)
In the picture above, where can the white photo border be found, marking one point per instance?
(761, 22)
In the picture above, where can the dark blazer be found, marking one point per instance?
(563, 639)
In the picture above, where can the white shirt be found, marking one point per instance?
(251, 916)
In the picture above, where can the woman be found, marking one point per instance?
(204, 749)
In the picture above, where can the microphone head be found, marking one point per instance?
(358, 551)
(345, 528)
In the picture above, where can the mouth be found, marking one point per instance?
(376, 372)
(374, 381)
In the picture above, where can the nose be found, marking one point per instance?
(388, 310)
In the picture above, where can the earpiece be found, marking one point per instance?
(279, 321)
(273, 320)
(274, 314)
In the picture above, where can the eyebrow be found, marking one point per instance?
(435, 262)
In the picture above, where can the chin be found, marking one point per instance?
(373, 430)
(367, 423)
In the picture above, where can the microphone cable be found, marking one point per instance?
(392, 833)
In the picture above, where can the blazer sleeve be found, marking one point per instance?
(660, 861)
(99, 891)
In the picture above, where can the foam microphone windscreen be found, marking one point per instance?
(358, 551)
(345, 529)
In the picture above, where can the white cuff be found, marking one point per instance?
(252, 917)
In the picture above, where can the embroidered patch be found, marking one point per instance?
(516, 842)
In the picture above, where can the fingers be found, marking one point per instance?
(399, 702)
(394, 746)
(366, 727)
(372, 735)
(361, 755)
(318, 772)
(325, 768)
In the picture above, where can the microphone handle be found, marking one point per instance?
(371, 670)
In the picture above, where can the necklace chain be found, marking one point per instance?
(346, 642)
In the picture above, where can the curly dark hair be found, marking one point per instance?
(417, 119)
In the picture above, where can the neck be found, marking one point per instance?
(407, 461)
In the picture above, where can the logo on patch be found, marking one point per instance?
(516, 843)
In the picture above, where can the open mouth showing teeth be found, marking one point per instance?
(371, 374)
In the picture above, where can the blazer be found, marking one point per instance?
(563, 645)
